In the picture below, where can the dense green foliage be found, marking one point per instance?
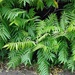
(25, 35)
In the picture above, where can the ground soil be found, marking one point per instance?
(22, 70)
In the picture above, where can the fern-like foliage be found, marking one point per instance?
(50, 24)
(26, 57)
(23, 33)
(64, 21)
(25, 1)
(15, 61)
(19, 45)
(42, 64)
(63, 53)
(20, 56)
(71, 64)
(11, 13)
(4, 33)
(1, 43)
(71, 61)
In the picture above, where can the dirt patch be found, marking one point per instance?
(22, 70)
(17, 73)
(66, 72)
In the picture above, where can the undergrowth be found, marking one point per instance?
(25, 37)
